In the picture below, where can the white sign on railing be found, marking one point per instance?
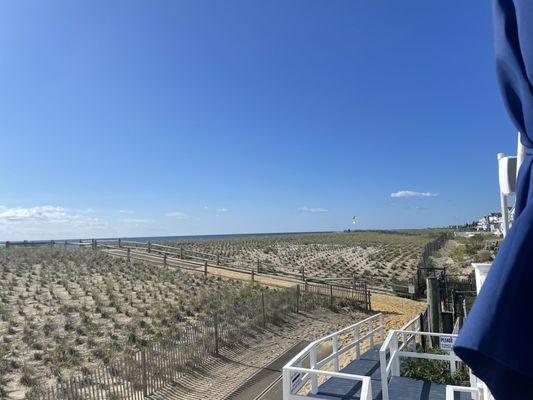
(446, 343)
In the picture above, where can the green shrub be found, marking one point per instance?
(433, 370)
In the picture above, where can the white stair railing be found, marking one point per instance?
(356, 337)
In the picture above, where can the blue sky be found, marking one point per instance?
(127, 118)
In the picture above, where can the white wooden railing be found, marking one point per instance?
(296, 376)
(400, 343)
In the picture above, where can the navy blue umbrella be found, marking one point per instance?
(497, 338)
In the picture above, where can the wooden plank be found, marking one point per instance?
(95, 391)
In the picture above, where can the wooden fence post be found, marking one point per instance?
(181, 252)
(298, 299)
(303, 273)
(149, 247)
(119, 242)
(258, 267)
(368, 295)
(253, 276)
(263, 306)
(205, 269)
(218, 259)
(215, 323)
(422, 329)
(433, 299)
(129, 255)
(65, 244)
(143, 372)
(331, 296)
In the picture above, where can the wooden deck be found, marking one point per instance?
(400, 388)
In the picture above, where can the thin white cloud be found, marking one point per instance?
(223, 210)
(46, 221)
(177, 215)
(137, 220)
(126, 211)
(411, 193)
(313, 210)
(86, 211)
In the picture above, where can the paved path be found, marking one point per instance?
(260, 382)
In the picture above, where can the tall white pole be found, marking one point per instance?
(503, 201)
(520, 154)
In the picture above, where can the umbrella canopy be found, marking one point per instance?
(497, 338)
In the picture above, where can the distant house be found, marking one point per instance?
(492, 222)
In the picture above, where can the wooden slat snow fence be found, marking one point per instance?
(160, 363)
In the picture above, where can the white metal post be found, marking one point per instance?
(335, 345)
(382, 324)
(312, 363)
(384, 375)
(394, 356)
(520, 153)
(357, 342)
(504, 206)
(366, 389)
(286, 384)
(452, 362)
(370, 328)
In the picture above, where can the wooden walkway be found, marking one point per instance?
(400, 388)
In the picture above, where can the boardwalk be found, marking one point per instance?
(400, 388)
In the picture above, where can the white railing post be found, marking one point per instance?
(452, 362)
(286, 384)
(357, 342)
(371, 334)
(335, 346)
(404, 339)
(384, 374)
(312, 363)
(420, 329)
(366, 389)
(382, 325)
(394, 356)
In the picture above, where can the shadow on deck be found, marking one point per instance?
(400, 388)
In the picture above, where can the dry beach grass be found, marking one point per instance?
(65, 311)
(380, 257)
